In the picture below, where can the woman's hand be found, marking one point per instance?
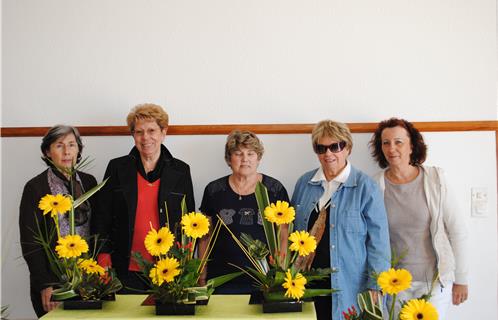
(460, 293)
(48, 305)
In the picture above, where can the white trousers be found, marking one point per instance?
(441, 297)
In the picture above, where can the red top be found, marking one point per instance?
(146, 214)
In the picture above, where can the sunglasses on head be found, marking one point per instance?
(334, 147)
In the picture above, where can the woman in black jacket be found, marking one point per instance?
(61, 148)
(140, 186)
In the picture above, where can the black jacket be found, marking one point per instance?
(115, 221)
(40, 274)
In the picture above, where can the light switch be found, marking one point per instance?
(479, 202)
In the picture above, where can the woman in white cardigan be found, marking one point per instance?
(424, 224)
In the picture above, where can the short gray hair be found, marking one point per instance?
(55, 133)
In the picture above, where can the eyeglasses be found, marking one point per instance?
(150, 132)
(334, 147)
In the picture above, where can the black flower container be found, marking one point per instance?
(282, 306)
(203, 302)
(174, 309)
(256, 297)
(82, 304)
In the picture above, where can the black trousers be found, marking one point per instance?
(323, 307)
(37, 303)
(133, 283)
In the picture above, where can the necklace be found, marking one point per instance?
(238, 190)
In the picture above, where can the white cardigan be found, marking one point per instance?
(448, 229)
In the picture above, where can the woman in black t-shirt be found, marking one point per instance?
(232, 198)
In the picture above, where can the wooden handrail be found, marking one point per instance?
(217, 129)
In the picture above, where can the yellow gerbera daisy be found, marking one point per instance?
(91, 266)
(195, 224)
(295, 287)
(159, 242)
(280, 213)
(394, 281)
(418, 309)
(164, 270)
(302, 242)
(55, 204)
(71, 246)
(156, 279)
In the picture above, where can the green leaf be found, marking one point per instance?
(88, 194)
(191, 266)
(317, 274)
(369, 309)
(279, 278)
(5, 312)
(184, 206)
(44, 239)
(265, 279)
(63, 294)
(257, 249)
(262, 198)
(218, 281)
(276, 296)
(397, 258)
(310, 293)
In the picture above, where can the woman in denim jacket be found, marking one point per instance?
(343, 208)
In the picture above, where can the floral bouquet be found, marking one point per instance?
(174, 274)
(277, 267)
(72, 261)
(392, 282)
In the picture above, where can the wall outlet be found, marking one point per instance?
(479, 202)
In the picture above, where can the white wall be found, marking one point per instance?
(237, 61)
(232, 61)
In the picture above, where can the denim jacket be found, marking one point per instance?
(359, 234)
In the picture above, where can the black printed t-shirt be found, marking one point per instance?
(240, 215)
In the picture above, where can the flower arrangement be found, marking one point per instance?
(175, 271)
(392, 282)
(277, 266)
(351, 314)
(72, 261)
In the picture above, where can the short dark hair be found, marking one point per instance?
(55, 133)
(419, 148)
